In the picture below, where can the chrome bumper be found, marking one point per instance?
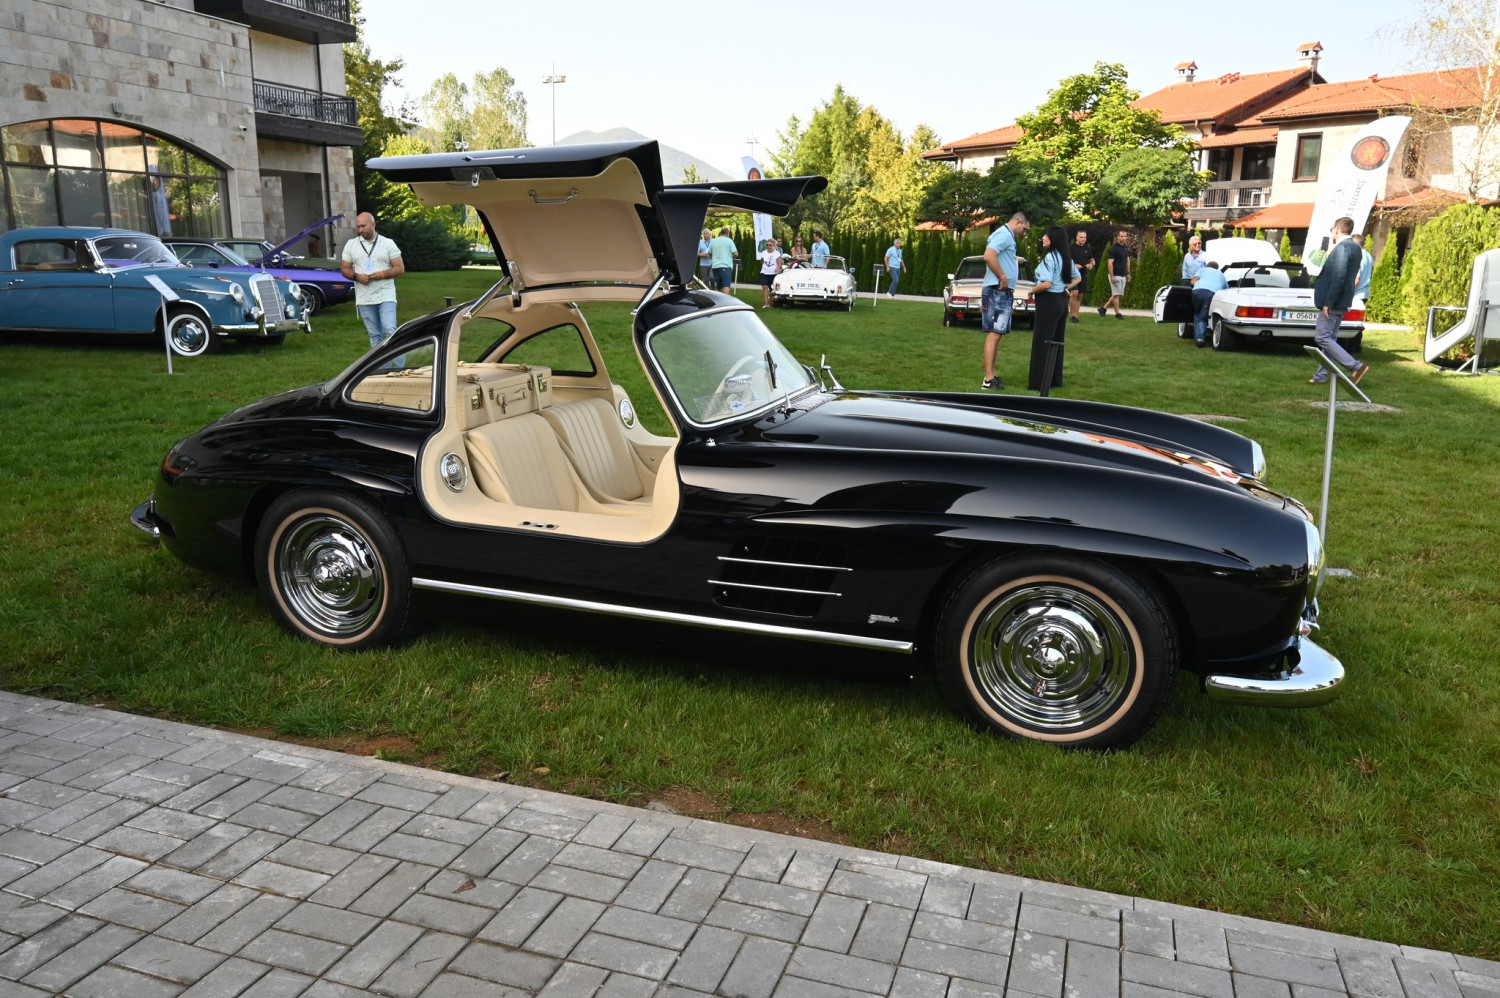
(264, 328)
(1315, 679)
(143, 517)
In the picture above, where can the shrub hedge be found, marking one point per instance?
(1440, 263)
(427, 243)
(1384, 303)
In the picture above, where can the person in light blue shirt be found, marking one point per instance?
(1366, 270)
(1210, 281)
(997, 295)
(705, 258)
(1192, 260)
(722, 253)
(820, 250)
(894, 265)
(1055, 277)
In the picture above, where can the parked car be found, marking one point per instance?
(961, 298)
(320, 288)
(1267, 299)
(262, 252)
(77, 279)
(803, 284)
(1059, 560)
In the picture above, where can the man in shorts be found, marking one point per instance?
(1118, 262)
(998, 294)
(1083, 260)
(722, 253)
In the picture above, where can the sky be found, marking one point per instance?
(707, 78)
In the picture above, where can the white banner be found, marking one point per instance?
(1354, 177)
(762, 222)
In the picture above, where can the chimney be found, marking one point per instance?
(1307, 55)
(1186, 71)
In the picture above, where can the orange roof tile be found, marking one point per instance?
(1310, 45)
(1240, 137)
(1444, 88)
(1428, 197)
(1296, 215)
(1218, 99)
(995, 138)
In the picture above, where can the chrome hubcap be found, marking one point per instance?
(189, 335)
(1051, 657)
(330, 575)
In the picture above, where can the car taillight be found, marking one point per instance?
(1355, 315)
(1254, 312)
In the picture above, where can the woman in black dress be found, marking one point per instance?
(1055, 277)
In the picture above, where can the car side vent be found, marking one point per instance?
(811, 401)
(776, 575)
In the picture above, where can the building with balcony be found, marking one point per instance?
(178, 117)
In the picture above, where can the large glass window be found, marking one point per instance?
(1257, 162)
(79, 171)
(1309, 150)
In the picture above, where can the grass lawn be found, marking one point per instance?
(1378, 815)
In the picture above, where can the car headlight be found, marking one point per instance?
(237, 293)
(1314, 555)
(295, 290)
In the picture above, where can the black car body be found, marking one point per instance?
(1060, 558)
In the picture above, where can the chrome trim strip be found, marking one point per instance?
(784, 564)
(772, 589)
(667, 616)
(1316, 679)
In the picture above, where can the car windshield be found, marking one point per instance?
(1277, 275)
(836, 263)
(725, 365)
(970, 270)
(200, 253)
(133, 250)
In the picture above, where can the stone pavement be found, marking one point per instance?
(142, 858)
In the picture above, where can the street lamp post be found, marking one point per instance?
(554, 78)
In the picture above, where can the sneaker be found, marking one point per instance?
(1317, 381)
(1359, 373)
(1072, 318)
(1200, 344)
(1103, 311)
(994, 384)
(1119, 316)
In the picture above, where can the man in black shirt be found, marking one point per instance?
(1118, 263)
(1083, 259)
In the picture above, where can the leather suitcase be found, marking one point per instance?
(403, 389)
(489, 392)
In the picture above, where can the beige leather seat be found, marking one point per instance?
(593, 440)
(519, 461)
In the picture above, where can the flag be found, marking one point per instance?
(1354, 178)
(762, 222)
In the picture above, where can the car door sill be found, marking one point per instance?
(666, 616)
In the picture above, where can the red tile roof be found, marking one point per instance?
(1296, 215)
(1427, 197)
(1445, 89)
(1218, 99)
(1240, 137)
(996, 138)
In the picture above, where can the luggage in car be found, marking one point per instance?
(488, 392)
(411, 389)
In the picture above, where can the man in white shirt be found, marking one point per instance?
(770, 266)
(373, 262)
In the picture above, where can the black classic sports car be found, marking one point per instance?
(1060, 560)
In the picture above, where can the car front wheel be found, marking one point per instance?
(190, 334)
(1057, 649)
(332, 571)
(312, 300)
(1221, 338)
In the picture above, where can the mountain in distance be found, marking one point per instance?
(673, 161)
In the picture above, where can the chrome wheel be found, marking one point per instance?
(189, 334)
(330, 575)
(1051, 657)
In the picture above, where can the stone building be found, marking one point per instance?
(181, 117)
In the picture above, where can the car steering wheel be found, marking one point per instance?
(734, 371)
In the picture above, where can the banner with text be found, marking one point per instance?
(1353, 180)
(762, 222)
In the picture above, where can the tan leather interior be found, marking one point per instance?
(592, 437)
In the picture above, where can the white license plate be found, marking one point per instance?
(801, 287)
(1298, 315)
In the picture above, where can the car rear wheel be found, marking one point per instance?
(332, 571)
(190, 335)
(312, 300)
(1184, 330)
(1221, 338)
(1057, 649)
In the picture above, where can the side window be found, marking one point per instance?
(480, 336)
(560, 348)
(190, 253)
(402, 381)
(47, 254)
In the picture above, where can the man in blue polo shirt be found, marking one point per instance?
(1366, 270)
(1192, 260)
(997, 296)
(894, 266)
(820, 250)
(1210, 280)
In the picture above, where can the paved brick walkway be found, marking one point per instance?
(142, 858)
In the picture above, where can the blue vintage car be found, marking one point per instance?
(320, 288)
(91, 280)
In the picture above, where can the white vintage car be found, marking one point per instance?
(1267, 299)
(961, 298)
(800, 283)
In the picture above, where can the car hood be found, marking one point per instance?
(270, 253)
(987, 427)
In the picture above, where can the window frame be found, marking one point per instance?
(1298, 177)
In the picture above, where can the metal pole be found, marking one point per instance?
(553, 80)
(166, 335)
(1333, 408)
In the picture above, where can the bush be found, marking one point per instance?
(1441, 261)
(1384, 303)
(427, 243)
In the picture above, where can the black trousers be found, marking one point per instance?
(1050, 324)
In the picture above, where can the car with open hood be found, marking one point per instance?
(264, 253)
(963, 295)
(1058, 561)
(77, 279)
(1267, 299)
(320, 288)
(800, 283)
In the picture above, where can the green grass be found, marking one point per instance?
(1376, 815)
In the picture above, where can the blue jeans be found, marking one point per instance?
(1203, 299)
(895, 281)
(379, 320)
(995, 304)
(1326, 336)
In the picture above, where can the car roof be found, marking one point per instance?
(596, 214)
(70, 232)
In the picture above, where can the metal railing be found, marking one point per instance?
(1236, 194)
(312, 105)
(338, 10)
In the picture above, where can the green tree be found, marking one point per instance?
(1441, 260)
(1285, 249)
(1030, 185)
(690, 175)
(1145, 187)
(366, 80)
(955, 198)
(489, 114)
(1087, 123)
(1384, 303)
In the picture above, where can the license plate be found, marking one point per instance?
(1298, 315)
(802, 286)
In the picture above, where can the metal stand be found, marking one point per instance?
(167, 294)
(879, 269)
(1336, 375)
(1053, 346)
